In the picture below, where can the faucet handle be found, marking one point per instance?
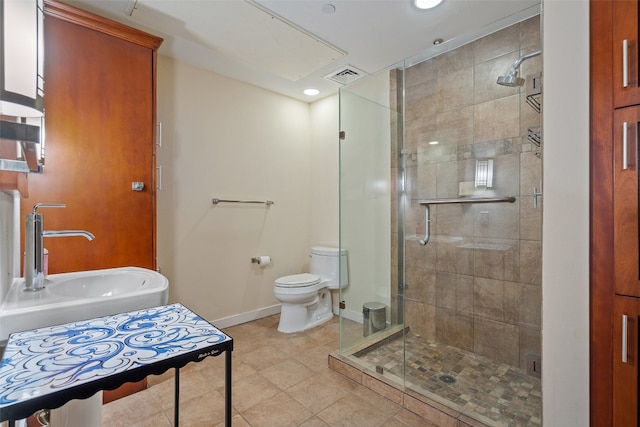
(47, 205)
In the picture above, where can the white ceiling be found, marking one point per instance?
(289, 45)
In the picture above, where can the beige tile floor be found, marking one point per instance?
(278, 380)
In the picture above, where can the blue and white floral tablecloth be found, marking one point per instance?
(47, 367)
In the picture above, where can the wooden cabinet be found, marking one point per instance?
(625, 197)
(614, 239)
(100, 133)
(626, 49)
(625, 361)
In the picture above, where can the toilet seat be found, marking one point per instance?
(303, 280)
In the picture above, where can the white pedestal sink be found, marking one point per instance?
(71, 297)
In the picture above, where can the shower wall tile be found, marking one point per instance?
(530, 218)
(488, 299)
(531, 262)
(394, 250)
(426, 182)
(455, 127)
(455, 292)
(421, 72)
(512, 302)
(455, 60)
(497, 44)
(497, 220)
(455, 90)
(393, 119)
(488, 149)
(464, 294)
(454, 329)
(530, 173)
(446, 290)
(455, 256)
(496, 340)
(530, 343)
(420, 256)
(422, 100)
(530, 34)
(506, 175)
(453, 220)
(530, 313)
(496, 259)
(447, 180)
(497, 119)
(419, 132)
(421, 318)
(421, 285)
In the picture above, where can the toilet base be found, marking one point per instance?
(300, 317)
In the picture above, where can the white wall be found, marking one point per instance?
(230, 140)
(565, 250)
(325, 171)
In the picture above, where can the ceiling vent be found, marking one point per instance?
(345, 75)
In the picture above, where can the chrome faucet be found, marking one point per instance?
(34, 248)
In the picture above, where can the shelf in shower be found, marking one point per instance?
(508, 199)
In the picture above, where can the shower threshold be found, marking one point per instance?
(444, 381)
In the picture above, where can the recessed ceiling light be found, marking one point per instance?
(433, 142)
(311, 92)
(426, 4)
(328, 8)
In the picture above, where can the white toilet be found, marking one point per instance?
(306, 297)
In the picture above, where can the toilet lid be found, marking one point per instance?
(298, 280)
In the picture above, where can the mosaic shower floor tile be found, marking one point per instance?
(493, 393)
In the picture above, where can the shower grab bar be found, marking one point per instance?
(427, 212)
(508, 199)
(215, 201)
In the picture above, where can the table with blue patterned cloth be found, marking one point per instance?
(47, 367)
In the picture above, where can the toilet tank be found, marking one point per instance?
(329, 263)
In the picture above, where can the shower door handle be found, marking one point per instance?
(625, 63)
(427, 230)
(625, 146)
(624, 338)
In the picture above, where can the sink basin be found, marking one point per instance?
(70, 297)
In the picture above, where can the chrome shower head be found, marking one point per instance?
(512, 79)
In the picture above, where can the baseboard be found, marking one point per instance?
(355, 316)
(237, 319)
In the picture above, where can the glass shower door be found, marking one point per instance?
(369, 124)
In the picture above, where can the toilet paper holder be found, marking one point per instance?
(261, 260)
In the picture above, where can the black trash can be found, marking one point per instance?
(374, 317)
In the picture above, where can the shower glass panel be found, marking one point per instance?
(369, 125)
(441, 214)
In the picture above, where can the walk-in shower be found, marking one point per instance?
(441, 214)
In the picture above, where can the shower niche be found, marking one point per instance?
(455, 257)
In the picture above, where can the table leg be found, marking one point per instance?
(176, 402)
(227, 389)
